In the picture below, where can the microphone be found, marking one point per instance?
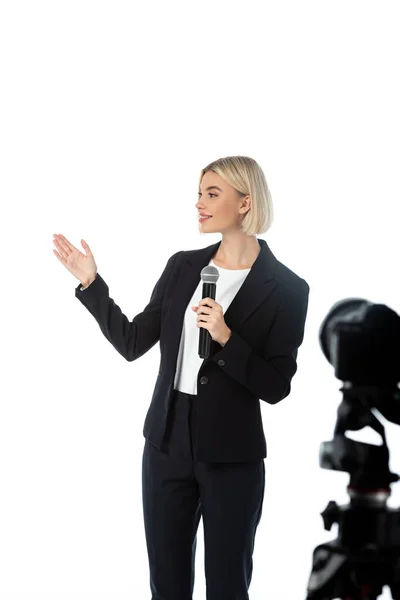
(209, 276)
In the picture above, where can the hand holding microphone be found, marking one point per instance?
(210, 316)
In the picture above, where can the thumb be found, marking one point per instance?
(86, 246)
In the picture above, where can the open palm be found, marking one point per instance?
(82, 266)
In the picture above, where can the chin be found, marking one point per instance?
(202, 225)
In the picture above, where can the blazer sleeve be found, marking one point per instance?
(269, 376)
(130, 338)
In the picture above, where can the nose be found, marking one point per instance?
(199, 206)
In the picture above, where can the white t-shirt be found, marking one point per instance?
(188, 361)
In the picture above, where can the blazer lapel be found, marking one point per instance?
(255, 288)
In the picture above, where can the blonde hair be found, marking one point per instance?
(245, 175)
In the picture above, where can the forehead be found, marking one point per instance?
(211, 180)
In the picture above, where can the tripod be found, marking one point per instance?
(366, 554)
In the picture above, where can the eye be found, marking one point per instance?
(209, 193)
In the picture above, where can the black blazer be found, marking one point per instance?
(267, 318)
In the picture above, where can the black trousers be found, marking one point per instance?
(177, 491)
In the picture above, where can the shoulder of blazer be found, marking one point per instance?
(173, 260)
(178, 257)
(289, 280)
(173, 265)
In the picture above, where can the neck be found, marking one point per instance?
(238, 250)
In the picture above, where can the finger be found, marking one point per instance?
(206, 301)
(86, 246)
(62, 249)
(60, 258)
(66, 243)
(204, 317)
(211, 303)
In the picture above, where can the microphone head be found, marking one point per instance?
(209, 274)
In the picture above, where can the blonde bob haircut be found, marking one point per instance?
(245, 175)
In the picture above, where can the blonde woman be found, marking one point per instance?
(204, 444)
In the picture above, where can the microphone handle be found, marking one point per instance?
(209, 290)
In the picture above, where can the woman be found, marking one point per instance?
(205, 445)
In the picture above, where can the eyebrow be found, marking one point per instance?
(212, 187)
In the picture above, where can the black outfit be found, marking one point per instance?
(204, 453)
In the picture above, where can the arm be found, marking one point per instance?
(269, 377)
(130, 338)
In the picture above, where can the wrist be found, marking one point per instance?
(86, 284)
(226, 338)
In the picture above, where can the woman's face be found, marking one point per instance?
(226, 207)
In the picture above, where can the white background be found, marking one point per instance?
(108, 112)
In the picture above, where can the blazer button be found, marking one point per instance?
(203, 379)
(221, 362)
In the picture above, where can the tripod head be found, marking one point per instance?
(362, 341)
(367, 464)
